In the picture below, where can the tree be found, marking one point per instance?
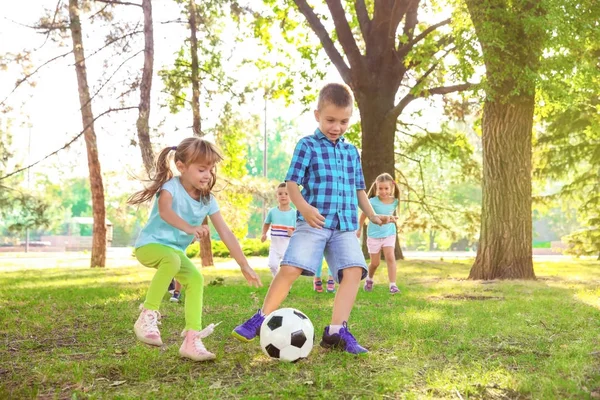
(379, 62)
(98, 258)
(143, 126)
(513, 37)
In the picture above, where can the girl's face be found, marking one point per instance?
(384, 190)
(196, 175)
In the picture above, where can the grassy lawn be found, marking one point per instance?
(67, 332)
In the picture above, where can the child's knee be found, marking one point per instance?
(374, 264)
(290, 272)
(352, 274)
(195, 279)
(172, 265)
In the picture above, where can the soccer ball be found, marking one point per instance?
(287, 335)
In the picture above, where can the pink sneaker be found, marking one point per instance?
(146, 327)
(192, 346)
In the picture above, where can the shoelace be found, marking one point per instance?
(347, 336)
(198, 345)
(255, 320)
(151, 321)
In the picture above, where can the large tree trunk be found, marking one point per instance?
(378, 135)
(87, 117)
(143, 126)
(512, 36)
(505, 245)
(205, 244)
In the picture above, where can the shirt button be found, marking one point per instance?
(339, 161)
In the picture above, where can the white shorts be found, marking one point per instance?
(279, 245)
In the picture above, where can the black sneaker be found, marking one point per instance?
(175, 297)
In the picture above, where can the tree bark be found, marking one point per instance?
(205, 242)
(196, 126)
(97, 188)
(505, 246)
(143, 126)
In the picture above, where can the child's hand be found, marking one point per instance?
(290, 231)
(382, 219)
(358, 232)
(251, 276)
(199, 231)
(263, 237)
(313, 217)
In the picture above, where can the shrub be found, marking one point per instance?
(193, 250)
(250, 247)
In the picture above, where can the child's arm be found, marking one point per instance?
(361, 223)
(165, 210)
(234, 248)
(311, 214)
(367, 208)
(264, 232)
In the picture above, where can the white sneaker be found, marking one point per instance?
(192, 346)
(146, 327)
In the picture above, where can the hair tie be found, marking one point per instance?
(174, 148)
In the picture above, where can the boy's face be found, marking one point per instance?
(283, 199)
(333, 120)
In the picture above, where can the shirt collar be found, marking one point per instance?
(321, 135)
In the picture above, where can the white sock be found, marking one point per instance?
(392, 284)
(369, 278)
(335, 329)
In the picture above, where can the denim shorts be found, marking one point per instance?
(308, 245)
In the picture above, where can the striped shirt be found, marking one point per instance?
(330, 174)
(281, 221)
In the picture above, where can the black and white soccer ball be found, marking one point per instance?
(287, 335)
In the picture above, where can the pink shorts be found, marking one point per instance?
(376, 244)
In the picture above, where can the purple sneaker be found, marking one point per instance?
(368, 285)
(249, 329)
(394, 289)
(342, 340)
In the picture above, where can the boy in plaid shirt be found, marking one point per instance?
(333, 187)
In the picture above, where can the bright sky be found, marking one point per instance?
(52, 107)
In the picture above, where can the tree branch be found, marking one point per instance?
(117, 2)
(345, 35)
(411, 19)
(448, 89)
(405, 48)
(26, 77)
(68, 143)
(363, 18)
(328, 45)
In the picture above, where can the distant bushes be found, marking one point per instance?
(250, 247)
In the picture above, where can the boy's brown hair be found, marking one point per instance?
(337, 94)
(282, 185)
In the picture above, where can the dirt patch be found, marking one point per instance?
(464, 297)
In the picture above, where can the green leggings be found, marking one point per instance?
(170, 263)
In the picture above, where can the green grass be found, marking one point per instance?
(67, 333)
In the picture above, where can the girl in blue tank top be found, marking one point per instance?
(384, 196)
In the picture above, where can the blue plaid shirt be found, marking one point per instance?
(330, 174)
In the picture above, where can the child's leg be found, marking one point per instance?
(274, 260)
(346, 295)
(390, 259)
(167, 264)
(280, 288)
(192, 279)
(298, 259)
(374, 264)
(347, 264)
(177, 286)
